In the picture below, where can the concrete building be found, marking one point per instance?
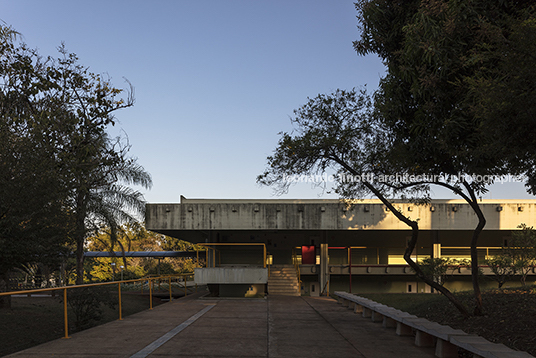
(330, 245)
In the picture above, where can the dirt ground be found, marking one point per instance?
(509, 314)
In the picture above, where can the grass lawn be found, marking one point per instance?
(509, 317)
(35, 320)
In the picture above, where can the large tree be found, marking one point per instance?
(97, 169)
(339, 133)
(57, 154)
(32, 199)
(449, 63)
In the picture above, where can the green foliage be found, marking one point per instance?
(521, 251)
(102, 271)
(502, 268)
(134, 237)
(451, 66)
(458, 93)
(61, 174)
(335, 133)
(517, 258)
(32, 197)
(87, 304)
(440, 269)
(169, 243)
(162, 268)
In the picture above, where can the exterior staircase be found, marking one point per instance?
(283, 281)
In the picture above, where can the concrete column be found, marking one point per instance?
(376, 317)
(403, 330)
(367, 313)
(445, 349)
(324, 268)
(437, 251)
(436, 244)
(210, 252)
(423, 339)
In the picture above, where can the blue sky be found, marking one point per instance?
(215, 81)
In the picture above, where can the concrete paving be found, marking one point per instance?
(281, 326)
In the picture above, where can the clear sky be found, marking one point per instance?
(215, 81)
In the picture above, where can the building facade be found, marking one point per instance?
(355, 246)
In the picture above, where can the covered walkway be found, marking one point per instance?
(281, 326)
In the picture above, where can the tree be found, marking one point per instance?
(447, 61)
(521, 251)
(97, 170)
(502, 268)
(32, 200)
(55, 114)
(441, 269)
(134, 237)
(339, 132)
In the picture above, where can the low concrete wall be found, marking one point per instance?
(231, 275)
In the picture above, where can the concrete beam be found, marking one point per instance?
(192, 214)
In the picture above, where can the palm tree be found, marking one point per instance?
(108, 199)
(119, 204)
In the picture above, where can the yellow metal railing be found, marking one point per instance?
(269, 262)
(296, 266)
(151, 281)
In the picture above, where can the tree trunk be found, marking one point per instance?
(411, 246)
(79, 262)
(123, 254)
(407, 256)
(478, 311)
(80, 235)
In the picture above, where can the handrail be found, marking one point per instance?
(268, 263)
(118, 283)
(296, 266)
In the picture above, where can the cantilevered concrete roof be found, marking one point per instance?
(299, 214)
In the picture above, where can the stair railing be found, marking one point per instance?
(296, 266)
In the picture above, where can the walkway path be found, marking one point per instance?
(280, 326)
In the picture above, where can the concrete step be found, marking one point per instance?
(293, 284)
(284, 293)
(279, 283)
(282, 269)
(285, 270)
(284, 279)
(278, 290)
(284, 284)
(284, 288)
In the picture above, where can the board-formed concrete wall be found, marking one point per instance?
(231, 275)
(206, 214)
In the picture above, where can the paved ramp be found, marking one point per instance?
(281, 326)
